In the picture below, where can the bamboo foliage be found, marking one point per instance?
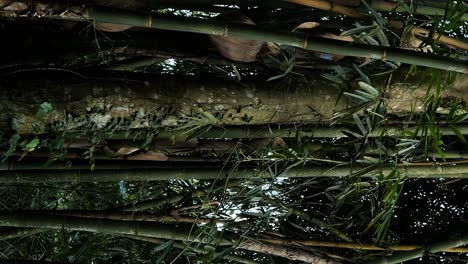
(181, 212)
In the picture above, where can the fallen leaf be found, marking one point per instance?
(110, 27)
(307, 25)
(149, 155)
(126, 151)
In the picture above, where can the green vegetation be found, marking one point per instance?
(143, 132)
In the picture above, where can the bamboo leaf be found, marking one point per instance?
(358, 30)
(362, 74)
(32, 145)
(458, 133)
(361, 98)
(368, 88)
(359, 123)
(163, 246)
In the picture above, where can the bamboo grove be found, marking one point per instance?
(233, 131)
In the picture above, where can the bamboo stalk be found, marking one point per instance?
(146, 229)
(416, 253)
(291, 253)
(126, 216)
(56, 176)
(296, 39)
(357, 246)
(250, 132)
(115, 227)
(100, 165)
(196, 249)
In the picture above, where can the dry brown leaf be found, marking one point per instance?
(126, 151)
(110, 27)
(307, 25)
(271, 48)
(149, 156)
(236, 49)
(334, 36)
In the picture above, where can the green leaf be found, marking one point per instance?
(368, 88)
(163, 246)
(31, 146)
(13, 143)
(358, 30)
(458, 133)
(359, 123)
(254, 191)
(44, 109)
(364, 77)
(359, 97)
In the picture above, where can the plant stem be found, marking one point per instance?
(116, 227)
(126, 216)
(50, 176)
(433, 248)
(196, 249)
(295, 39)
(148, 229)
(356, 246)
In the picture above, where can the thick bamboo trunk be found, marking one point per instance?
(122, 102)
(143, 100)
